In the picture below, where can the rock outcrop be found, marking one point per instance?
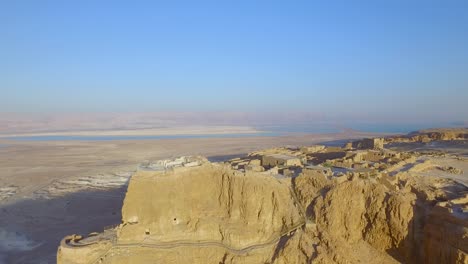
(445, 232)
(207, 203)
(228, 213)
(207, 212)
(432, 135)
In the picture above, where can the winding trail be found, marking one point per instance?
(176, 244)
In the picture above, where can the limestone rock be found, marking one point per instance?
(234, 213)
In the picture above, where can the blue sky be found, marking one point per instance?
(343, 59)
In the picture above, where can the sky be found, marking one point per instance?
(363, 60)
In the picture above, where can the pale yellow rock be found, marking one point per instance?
(204, 214)
(208, 203)
(212, 213)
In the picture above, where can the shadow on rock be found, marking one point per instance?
(32, 229)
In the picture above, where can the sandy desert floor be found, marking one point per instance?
(51, 188)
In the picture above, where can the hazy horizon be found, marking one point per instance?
(363, 61)
(204, 122)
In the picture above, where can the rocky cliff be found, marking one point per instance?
(212, 213)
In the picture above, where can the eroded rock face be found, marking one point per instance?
(446, 233)
(204, 214)
(208, 203)
(358, 211)
(212, 213)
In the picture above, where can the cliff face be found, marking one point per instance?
(412, 220)
(446, 233)
(208, 203)
(356, 219)
(214, 214)
(355, 211)
(204, 214)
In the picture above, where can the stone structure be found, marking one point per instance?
(312, 149)
(273, 160)
(369, 143)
